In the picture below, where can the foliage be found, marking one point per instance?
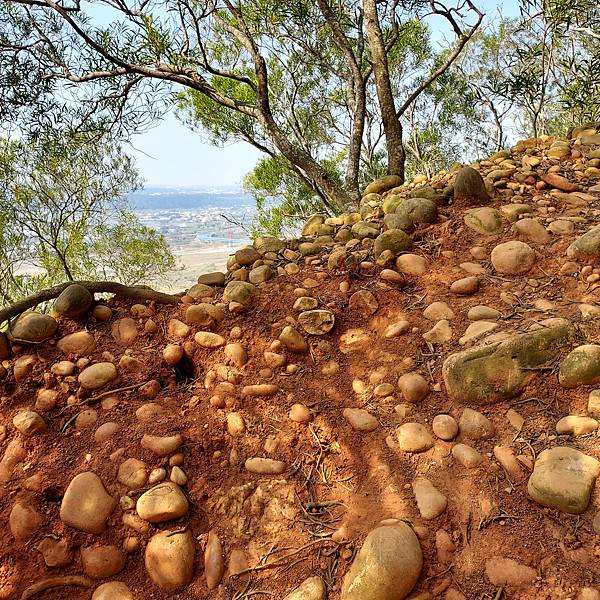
(63, 216)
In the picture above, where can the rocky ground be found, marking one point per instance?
(401, 404)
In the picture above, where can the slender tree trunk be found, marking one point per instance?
(391, 123)
(357, 93)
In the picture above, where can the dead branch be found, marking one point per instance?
(137, 292)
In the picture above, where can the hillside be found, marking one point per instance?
(400, 404)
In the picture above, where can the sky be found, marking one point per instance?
(172, 155)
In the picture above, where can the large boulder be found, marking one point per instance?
(386, 567)
(383, 184)
(33, 328)
(440, 197)
(73, 301)
(469, 185)
(487, 374)
(563, 478)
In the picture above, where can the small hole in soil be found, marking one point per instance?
(184, 370)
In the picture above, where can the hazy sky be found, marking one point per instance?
(172, 155)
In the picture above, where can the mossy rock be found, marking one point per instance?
(469, 185)
(391, 203)
(587, 246)
(486, 221)
(580, 367)
(383, 184)
(488, 374)
(418, 211)
(312, 225)
(267, 243)
(394, 240)
(440, 197)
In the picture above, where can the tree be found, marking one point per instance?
(63, 216)
(263, 66)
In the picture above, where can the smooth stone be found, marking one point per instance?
(414, 437)
(97, 375)
(509, 462)
(580, 367)
(396, 329)
(216, 278)
(469, 185)
(533, 230)
(586, 247)
(237, 354)
(265, 466)
(394, 240)
(386, 567)
(576, 425)
(106, 431)
(430, 501)
(292, 340)
(440, 333)
(124, 331)
(589, 312)
(299, 413)
(29, 423)
(502, 572)
(239, 291)
(23, 522)
(214, 565)
(476, 330)
(206, 339)
(466, 286)
(161, 445)
(483, 313)
(465, 455)
(102, 562)
(73, 301)
(383, 184)
(412, 264)
(169, 559)
(305, 303)
(513, 258)
(113, 590)
(81, 343)
(474, 425)
(33, 327)
(360, 419)
(312, 588)
(86, 505)
(593, 405)
(563, 478)
(489, 373)
(438, 311)
(562, 227)
(413, 387)
(485, 221)
(445, 427)
(163, 502)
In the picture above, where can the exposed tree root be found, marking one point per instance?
(137, 292)
(50, 582)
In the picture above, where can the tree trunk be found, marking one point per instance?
(391, 123)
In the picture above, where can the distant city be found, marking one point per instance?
(192, 219)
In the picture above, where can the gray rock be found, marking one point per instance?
(33, 327)
(73, 301)
(469, 185)
(386, 567)
(587, 246)
(239, 291)
(486, 220)
(416, 211)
